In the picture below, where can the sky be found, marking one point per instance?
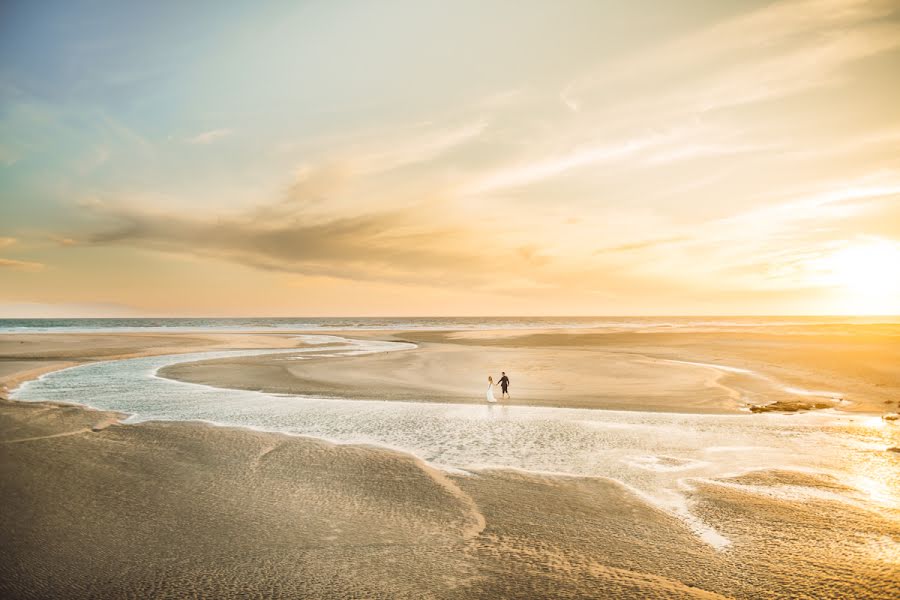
(420, 157)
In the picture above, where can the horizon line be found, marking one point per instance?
(495, 316)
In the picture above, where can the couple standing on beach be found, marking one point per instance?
(504, 386)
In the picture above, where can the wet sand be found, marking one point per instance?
(94, 508)
(853, 368)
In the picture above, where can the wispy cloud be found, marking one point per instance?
(413, 245)
(208, 137)
(417, 148)
(8, 156)
(554, 166)
(777, 50)
(381, 150)
(770, 248)
(20, 265)
(643, 245)
(13, 264)
(43, 310)
(783, 49)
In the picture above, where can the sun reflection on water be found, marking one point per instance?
(874, 469)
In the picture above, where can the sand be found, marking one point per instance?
(94, 508)
(854, 369)
(169, 510)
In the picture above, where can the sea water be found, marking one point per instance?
(121, 325)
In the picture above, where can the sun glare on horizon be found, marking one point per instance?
(867, 274)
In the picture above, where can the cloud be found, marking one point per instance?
(816, 206)
(383, 149)
(778, 50)
(8, 156)
(554, 166)
(637, 149)
(420, 244)
(565, 96)
(697, 98)
(208, 137)
(20, 265)
(645, 245)
(689, 151)
(44, 310)
(417, 148)
(7, 241)
(763, 251)
(426, 244)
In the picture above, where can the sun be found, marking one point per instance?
(866, 274)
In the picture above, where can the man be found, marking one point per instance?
(504, 385)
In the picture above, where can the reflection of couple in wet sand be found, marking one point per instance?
(504, 387)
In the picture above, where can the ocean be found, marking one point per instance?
(270, 324)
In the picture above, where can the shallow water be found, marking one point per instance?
(656, 455)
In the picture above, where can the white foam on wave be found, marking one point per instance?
(317, 340)
(652, 454)
(665, 464)
(735, 448)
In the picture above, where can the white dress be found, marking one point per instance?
(490, 393)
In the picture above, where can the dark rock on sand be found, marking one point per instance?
(790, 406)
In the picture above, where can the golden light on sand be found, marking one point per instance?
(868, 275)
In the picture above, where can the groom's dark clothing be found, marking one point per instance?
(504, 383)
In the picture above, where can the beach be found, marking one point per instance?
(450, 300)
(98, 503)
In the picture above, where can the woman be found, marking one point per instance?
(490, 390)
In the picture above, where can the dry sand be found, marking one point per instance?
(97, 509)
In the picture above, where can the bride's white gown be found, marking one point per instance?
(490, 393)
